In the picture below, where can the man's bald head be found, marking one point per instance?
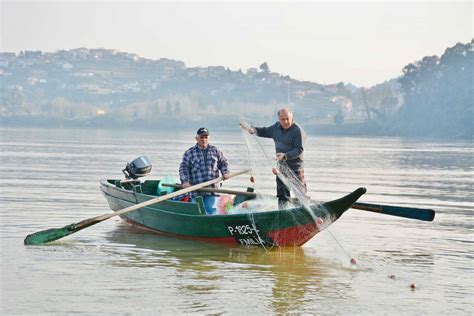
(285, 117)
(284, 111)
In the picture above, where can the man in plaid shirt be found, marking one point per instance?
(202, 163)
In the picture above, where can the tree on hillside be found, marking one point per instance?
(264, 67)
(438, 95)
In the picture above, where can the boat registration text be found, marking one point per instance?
(244, 232)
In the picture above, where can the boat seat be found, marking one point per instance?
(242, 198)
(201, 206)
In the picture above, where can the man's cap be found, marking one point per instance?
(203, 131)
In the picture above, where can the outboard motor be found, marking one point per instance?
(137, 168)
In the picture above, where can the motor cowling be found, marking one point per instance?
(137, 168)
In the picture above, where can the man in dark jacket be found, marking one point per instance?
(289, 140)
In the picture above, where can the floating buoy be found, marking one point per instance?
(392, 276)
(252, 179)
(275, 171)
(353, 261)
(413, 286)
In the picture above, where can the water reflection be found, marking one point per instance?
(288, 276)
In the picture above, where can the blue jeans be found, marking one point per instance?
(209, 203)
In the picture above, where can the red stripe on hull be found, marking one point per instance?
(294, 236)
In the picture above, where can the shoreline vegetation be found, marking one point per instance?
(108, 89)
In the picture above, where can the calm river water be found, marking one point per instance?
(50, 178)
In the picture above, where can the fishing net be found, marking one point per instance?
(263, 168)
(260, 163)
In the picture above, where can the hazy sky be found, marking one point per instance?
(326, 42)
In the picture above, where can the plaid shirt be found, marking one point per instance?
(193, 170)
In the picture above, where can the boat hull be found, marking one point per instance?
(281, 228)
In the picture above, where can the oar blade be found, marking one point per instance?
(409, 212)
(48, 235)
(400, 211)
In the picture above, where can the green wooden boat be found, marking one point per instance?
(280, 228)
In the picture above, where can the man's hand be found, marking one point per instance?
(281, 156)
(226, 176)
(248, 128)
(186, 185)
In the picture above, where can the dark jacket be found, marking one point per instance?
(288, 141)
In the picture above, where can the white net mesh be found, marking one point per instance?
(261, 164)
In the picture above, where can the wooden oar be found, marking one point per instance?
(401, 211)
(52, 234)
(421, 214)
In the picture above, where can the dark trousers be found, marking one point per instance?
(283, 192)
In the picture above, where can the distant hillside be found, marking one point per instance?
(111, 89)
(101, 87)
